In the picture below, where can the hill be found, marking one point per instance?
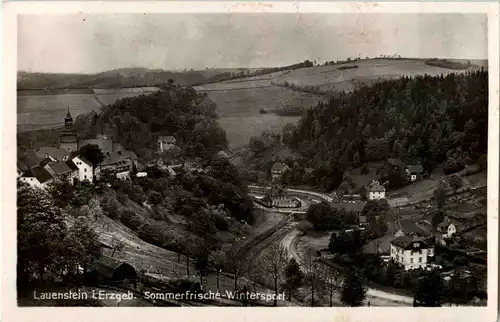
(421, 120)
(124, 77)
(270, 101)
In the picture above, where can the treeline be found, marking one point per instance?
(246, 73)
(448, 64)
(421, 120)
(137, 122)
(311, 89)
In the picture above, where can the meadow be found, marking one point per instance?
(336, 77)
(45, 110)
(239, 108)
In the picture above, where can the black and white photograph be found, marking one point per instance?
(253, 159)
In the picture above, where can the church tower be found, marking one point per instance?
(68, 121)
(68, 139)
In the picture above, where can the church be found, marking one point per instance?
(68, 139)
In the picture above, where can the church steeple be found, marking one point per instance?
(68, 121)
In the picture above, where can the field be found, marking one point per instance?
(45, 111)
(48, 110)
(333, 77)
(239, 104)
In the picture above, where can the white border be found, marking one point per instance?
(12, 312)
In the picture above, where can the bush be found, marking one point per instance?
(364, 169)
(131, 220)
(221, 223)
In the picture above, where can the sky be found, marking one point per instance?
(96, 43)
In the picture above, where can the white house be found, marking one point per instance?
(166, 142)
(124, 175)
(84, 169)
(375, 191)
(447, 228)
(37, 177)
(411, 252)
(414, 172)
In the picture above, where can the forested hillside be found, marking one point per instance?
(421, 120)
(138, 122)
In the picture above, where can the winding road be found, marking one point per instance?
(288, 236)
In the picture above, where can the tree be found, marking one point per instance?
(40, 234)
(354, 287)
(455, 182)
(274, 262)
(429, 290)
(154, 198)
(334, 283)
(439, 196)
(217, 259)
(236, 263)
(62, 192)
(316, 213)
(117, 244)
(202, 260)
(83, 243)
(313, 274)
(93, 153)
(294, 278)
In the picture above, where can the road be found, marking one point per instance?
(374, 296)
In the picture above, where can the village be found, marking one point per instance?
(410, 241)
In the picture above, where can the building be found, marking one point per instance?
(117, 162)
(394, 164)
(447, 228)
(278, 169)
(351, 198)
(375, 191)
(166, 143)
(68, 140)
(411, 252)
(62, 171)
(109, 270)
(54, 154)
(37, 177)
(414, 172)
(84, 168)
(278, 197)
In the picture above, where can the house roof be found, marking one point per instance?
(84, 160)
(56, 153)
(275, 191)
(375, 186)
(22, 166)
(30, 159)
(39, 173)
(46, 161)
(167, 138)
(407, 241)
(106, 145)
(69, 138)
(115, 157)
(117, 147)
(394, 162)
(71, 165)
(279, 166)
(106, 266)
(415, 168)
(60, 168)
